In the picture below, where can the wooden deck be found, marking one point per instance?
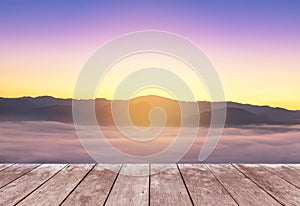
(183, 184)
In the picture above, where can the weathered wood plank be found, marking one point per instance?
(4, 166)
(167, 186)
(287, 173)
(23, 186)
(284, 192)
(296, 166)
(206, 184)
(13, 172)
(95, 187)
(54, 191)
(131, 190)
(204, 187)
(242, 189)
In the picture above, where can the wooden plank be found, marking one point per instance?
(287, 173)
(206, 184)
(284, 192)
(23, 186)
(129, 189)
(167, 186)
(4, 166)
(242, 189)
(295, 166)
(94, 189)
(54, 191)
(13, 172)
(204, 188)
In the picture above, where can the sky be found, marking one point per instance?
(254, 45)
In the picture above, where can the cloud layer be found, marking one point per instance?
(57, 142)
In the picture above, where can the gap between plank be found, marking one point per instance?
(40, 185)
(222, 185)
(185, 186)
(113, 184)
(257, 184)
(149, 182)
(21, 175)
(77, 184)
(293, 166)
(7, 167)
(280, 176)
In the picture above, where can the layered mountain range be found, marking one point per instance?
(47, 108)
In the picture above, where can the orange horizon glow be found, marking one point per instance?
(254, 46)
(255, 87)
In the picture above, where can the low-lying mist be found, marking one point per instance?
(54, 142)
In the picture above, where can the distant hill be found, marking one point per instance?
(52, 109)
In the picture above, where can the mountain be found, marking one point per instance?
(52, 109)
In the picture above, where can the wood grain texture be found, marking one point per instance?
(23, 186)
(286, 172)
(54, 191)
(284, 192)
(129, 189)
(94, 189)
(185, 184)
(241, 188)
(295, 166)
(204, 188)
(4, 166)
(13, 172)
(167, 186)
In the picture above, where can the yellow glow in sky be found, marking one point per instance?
(133, 63)
(255, 78)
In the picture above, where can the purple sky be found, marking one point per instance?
(254, 45)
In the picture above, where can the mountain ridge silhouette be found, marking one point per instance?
(47, 108)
